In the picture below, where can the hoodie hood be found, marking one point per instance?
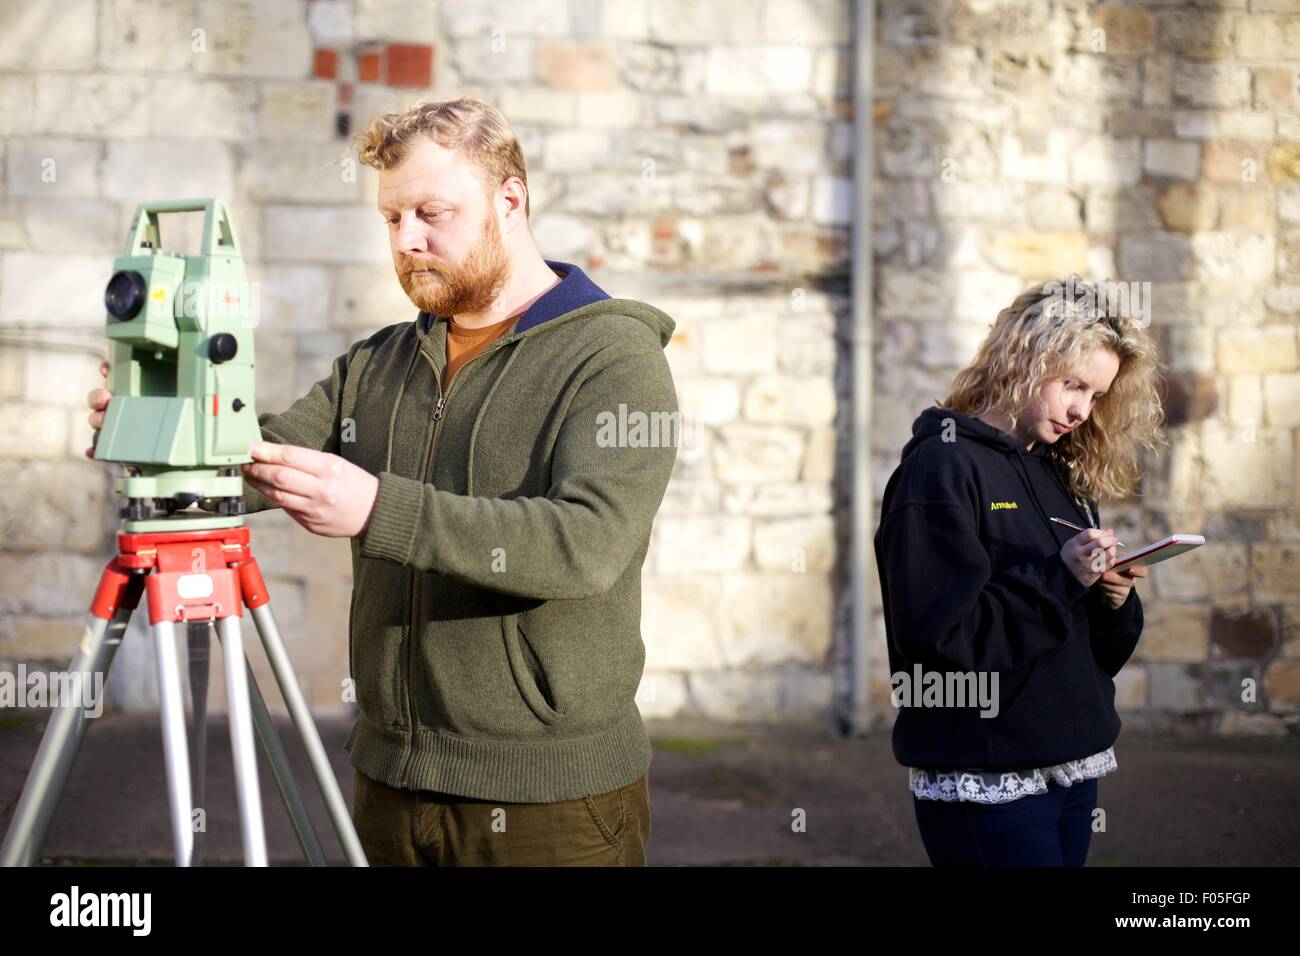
(574, 296)
(1037, 468)
(934, 421)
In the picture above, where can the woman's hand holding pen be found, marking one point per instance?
(1090, 554)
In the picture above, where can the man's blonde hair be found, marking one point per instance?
(476, 129)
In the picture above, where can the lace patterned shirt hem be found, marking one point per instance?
(985, 786)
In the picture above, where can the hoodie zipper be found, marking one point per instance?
(438, 412)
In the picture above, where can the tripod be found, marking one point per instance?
(199, 574)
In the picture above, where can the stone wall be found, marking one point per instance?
(1153, 142)
(696, 154)
(691, 154)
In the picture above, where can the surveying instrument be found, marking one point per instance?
(182, 419)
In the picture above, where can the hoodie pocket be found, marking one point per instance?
(378, 625)
(529, 675)
(1065, 695)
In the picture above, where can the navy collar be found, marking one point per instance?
(573, 291)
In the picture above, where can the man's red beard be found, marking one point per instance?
(470, 286)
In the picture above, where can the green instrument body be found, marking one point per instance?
(181, 363)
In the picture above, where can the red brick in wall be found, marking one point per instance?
(409, 65)
(325, 65)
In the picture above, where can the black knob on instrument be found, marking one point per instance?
(222, 347)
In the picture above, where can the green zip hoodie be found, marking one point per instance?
(512, 520)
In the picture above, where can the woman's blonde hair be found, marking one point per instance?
(476, 129)
(1045, 333)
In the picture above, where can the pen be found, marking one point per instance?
(1118, 544)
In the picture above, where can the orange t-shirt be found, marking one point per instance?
(463, 344)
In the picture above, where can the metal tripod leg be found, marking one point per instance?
(171, 709)
(279, 762)
(119, 591)
(178, 767)
(301, 714)
(198, 639)
(59, 745)
(242, 750)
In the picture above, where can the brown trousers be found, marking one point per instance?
(425, 828)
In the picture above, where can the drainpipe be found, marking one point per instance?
(862, 570)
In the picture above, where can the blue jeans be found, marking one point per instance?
(1047, 829)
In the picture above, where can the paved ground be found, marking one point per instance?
(721, 794)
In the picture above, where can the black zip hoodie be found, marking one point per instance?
(972, 581)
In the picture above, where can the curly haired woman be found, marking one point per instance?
(976, 579)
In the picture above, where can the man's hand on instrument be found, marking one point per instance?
(324, 493)
(97, 399)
